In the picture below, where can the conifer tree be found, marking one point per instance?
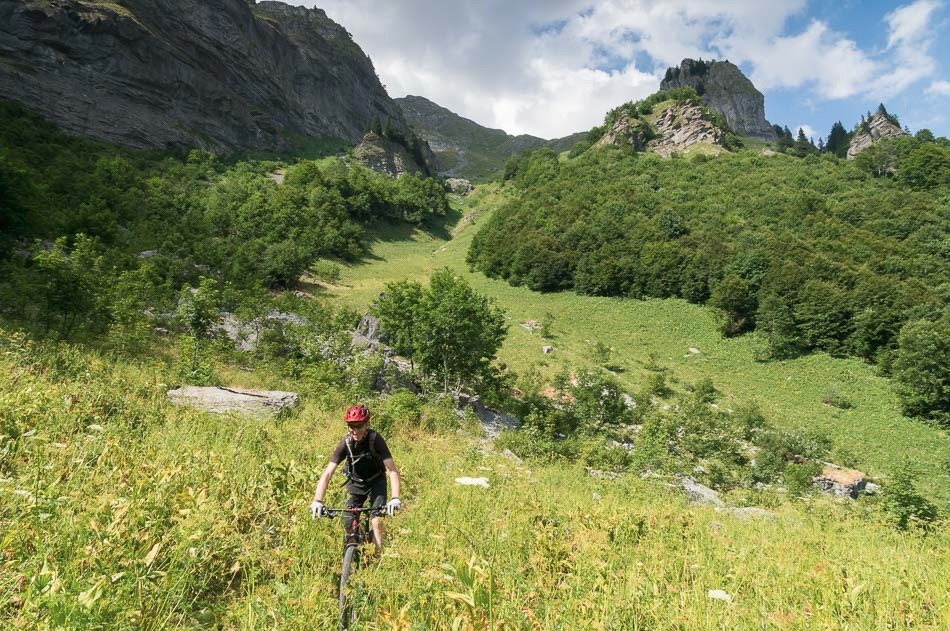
(838, 140)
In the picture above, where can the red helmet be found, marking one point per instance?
(357, 414)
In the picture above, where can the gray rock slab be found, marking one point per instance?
(219, 400)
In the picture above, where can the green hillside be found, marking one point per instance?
(121, 510)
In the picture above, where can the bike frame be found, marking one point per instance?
(359, 533)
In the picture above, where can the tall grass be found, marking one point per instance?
(119, 510)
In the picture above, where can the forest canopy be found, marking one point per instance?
(815, 253)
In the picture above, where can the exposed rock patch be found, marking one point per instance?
(684, 127)
(459, 186)
(385, 156)
(681, 127)
(627, 132)
(699, 494)
(877, 128)
(239, 400)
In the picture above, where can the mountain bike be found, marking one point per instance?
(357, 533)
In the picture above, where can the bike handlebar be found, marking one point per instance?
(337, 512)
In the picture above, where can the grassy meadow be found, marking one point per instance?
(120, 510)
(872, 435)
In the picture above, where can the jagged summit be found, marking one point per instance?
(723, 87)
(216, 74)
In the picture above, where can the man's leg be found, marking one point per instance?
(378, 500)
(379, 532)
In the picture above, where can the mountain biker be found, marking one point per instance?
(368, 464)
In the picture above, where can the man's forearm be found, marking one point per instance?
(394, 483)
(321, 488)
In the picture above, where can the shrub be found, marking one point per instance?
(835, 399)
(907, 507)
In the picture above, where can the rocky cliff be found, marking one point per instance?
(385, 156)
(874, 129)
(216, 74)
(723, 87)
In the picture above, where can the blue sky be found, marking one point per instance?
(553, 67)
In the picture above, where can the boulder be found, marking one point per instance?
(699, 494)
(840, 482)
(459, 186)
(627, 132)
(366, 336)
(492, 422)
(246, 335)
(219, 399)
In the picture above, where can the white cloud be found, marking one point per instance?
(552, 67)
(809, 131)
(909, 23)
(939, 87)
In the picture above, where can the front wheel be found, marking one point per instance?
(346, 605)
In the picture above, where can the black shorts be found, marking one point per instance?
(375, 492)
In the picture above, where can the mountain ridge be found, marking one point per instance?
(465, 148)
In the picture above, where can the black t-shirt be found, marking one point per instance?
(365, 466)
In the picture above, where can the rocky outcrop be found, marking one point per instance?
(878, 127)
(215, 74)
(683, 127)
(627, 132)
(219, 400)
(385, 156)
(723, 87)
(459, 186)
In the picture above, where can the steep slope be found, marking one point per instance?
(463, 147)
(723, 87)
(217, 74)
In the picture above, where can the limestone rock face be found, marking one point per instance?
(215, 74)
(723, 87)
(878, 127)
(385, 156)
(840, 482)
(683, 127)
(459, 186)
(627, 132)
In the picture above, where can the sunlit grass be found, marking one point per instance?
(120, 510)
(872, 435)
